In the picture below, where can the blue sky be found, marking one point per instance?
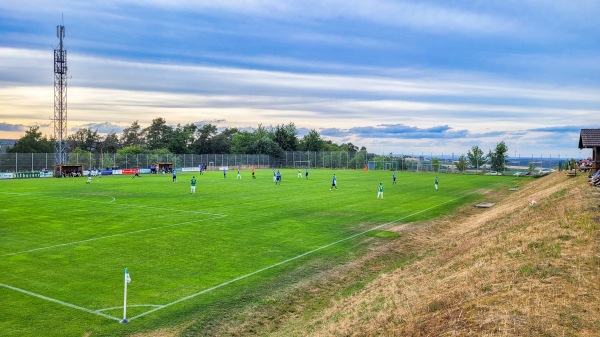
(394, 76)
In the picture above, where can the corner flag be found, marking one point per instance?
(127, 280)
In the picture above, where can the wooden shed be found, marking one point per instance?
(590, 139)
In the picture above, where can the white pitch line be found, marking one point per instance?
(106, 237)
(59, 302)
(293, 258)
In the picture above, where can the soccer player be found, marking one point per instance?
(394, 177)
(278, 178)
(174, 176)
(436, 183)
(239, 176)
(253, 176)
(89, 181)
(193, 187)
(137, 174)
(333, 182)
(224, 173)
(299, 174)
(274, 176)
(306, 173)
(380, 191)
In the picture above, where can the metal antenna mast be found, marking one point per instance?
(60, 99)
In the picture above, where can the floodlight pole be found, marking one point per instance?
(60, 98)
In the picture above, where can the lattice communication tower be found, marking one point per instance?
(60, 98)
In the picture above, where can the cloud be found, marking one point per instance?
(412, 14)
(211, 121)
(396, 131)
(101, 128)
(403, 73)
(564, 128)
(12, 127)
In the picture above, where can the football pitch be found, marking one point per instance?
(64, 244)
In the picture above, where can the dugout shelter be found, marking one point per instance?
(590, 139)
(68, 170)
(160, 167)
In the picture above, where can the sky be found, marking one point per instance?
(402, 77)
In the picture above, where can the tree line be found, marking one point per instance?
(160, 137)
(497, 158)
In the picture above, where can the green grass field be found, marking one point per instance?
(65, 244)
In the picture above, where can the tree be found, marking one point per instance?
(221, 143)
(349, 147)
(182, 139)
(286, 137)
(204, 134)
(133, 135)
(461, 165)
(158, 134)
(266, 145)
(242, 142)
(312, 141)
(476, 158)
(498, 158)
(132, 150)
(110, 144)
(328, 145)
(32, 142)
(435, 164)
(84, 139)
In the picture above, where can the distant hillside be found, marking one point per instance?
(6, 142)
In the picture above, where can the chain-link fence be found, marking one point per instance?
(31, 162)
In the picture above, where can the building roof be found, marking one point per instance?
(589, 138)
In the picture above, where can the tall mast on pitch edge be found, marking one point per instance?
(60, 98)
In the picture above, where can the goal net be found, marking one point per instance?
(383, 165)
(301, 164)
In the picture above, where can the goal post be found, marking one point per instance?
(301, 164)
(383, 165)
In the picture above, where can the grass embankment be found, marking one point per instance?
(510, 270)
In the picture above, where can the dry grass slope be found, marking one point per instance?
(510, 270)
